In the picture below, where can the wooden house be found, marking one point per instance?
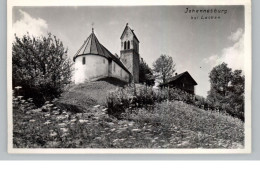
(182, 81)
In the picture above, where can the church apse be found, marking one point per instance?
(93, 62)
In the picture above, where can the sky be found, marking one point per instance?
(196, 45)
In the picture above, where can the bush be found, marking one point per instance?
(130, 98)
(143, 97)
(40, 67)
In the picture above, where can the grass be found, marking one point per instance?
(192, 127)
(78, 98)
(167, 125)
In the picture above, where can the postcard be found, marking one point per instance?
(119, 77)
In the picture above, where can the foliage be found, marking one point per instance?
(164, 68)
(40, 66)
(167, 125)
(220, 77)
(236, 95)
(121, 99)
(145, 74)
(227, 90)
(127, 98)
(201, 128)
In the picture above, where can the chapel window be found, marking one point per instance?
(128, 44)
(125, 45)
(83, 61)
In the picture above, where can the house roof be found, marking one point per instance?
(179, 76)
(127, 27)
(92, 46)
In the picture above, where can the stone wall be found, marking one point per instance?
(131, 60)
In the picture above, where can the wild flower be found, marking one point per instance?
(47, 122)
(47, 115)
(82, 121)
(18, 87)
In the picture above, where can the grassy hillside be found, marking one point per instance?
(168, 125)
(79, 98)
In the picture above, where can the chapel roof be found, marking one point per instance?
(92, 46)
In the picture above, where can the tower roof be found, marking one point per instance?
(127, 27)
(92, 46)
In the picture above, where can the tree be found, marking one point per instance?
(145, 74)
(40, 66)
(236, 94)
(220, 77)
(227, 90)
(164, 68)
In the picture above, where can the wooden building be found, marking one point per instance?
(182, 81)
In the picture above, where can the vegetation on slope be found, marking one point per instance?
(79, 98)
(168, 125)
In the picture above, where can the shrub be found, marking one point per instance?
(130, 98)
(143, 97)
(40, 66)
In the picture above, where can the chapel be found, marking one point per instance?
(93, 61)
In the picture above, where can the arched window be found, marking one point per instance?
(125, 45)
(83, 61)
(128, 44)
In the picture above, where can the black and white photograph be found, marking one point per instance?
(135, 78)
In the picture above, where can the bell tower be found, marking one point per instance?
(129, 53)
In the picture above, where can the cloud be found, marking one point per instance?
(35, 26)
(233, 55)
(235, 36)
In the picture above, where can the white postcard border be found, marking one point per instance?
(248, 75)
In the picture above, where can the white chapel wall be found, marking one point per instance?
(119, 72)
(95, 67)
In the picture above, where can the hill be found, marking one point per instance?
(171, 124)
(81, 97)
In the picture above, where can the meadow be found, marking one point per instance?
(124, 118)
